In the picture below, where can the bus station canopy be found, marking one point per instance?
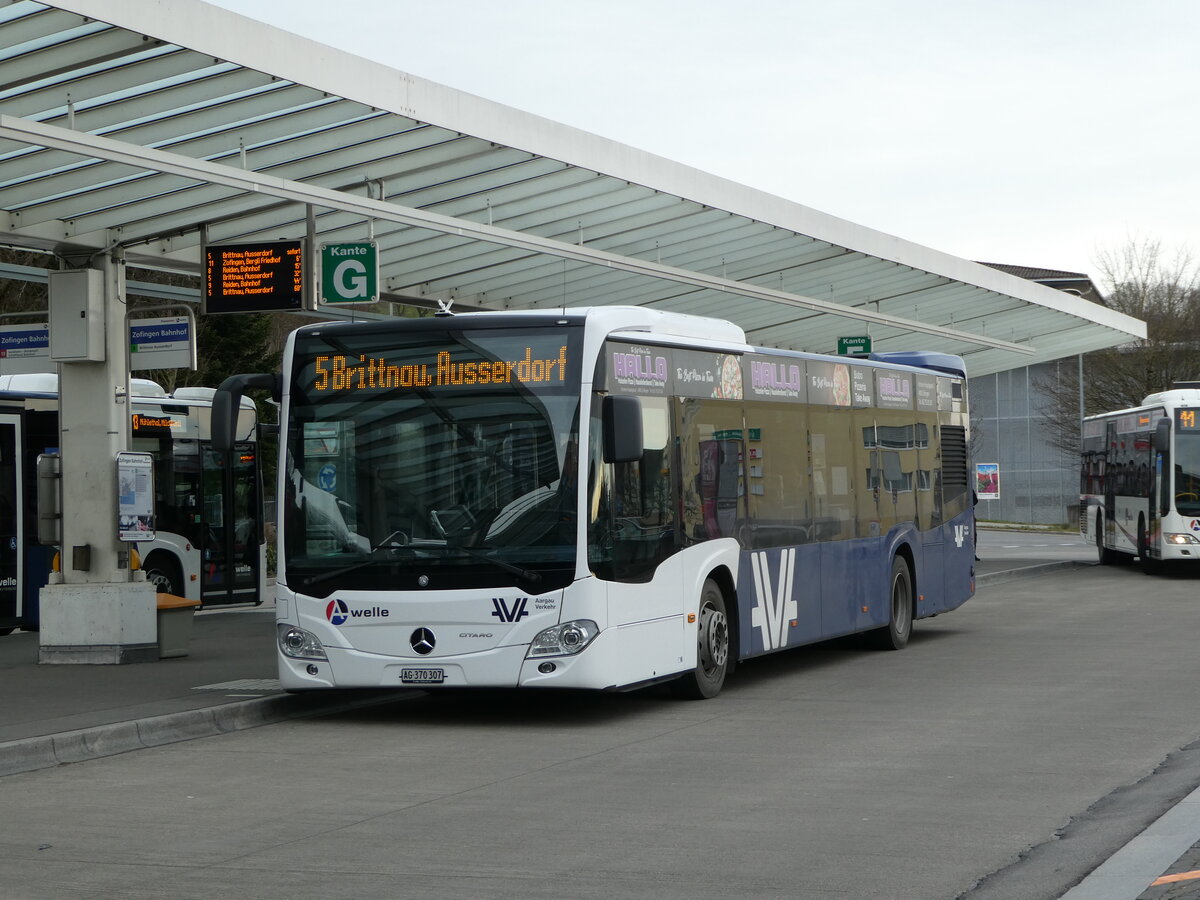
(155, 127)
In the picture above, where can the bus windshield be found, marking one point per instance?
(437, 456)
(1187, 473)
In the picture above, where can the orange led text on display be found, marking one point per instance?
(141, 421)
(341, 373)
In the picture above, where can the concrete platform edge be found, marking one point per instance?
(47, 751)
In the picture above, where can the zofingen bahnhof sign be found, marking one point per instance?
(260, 277)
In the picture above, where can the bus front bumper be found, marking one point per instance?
(501, 667)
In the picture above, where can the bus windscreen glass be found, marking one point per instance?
(1187, 462)
(444, 454)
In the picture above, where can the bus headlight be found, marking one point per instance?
(298, 643)
(1181, 539)
(566, 639)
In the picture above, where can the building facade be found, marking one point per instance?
(1010, 416)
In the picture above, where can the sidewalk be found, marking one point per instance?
(56, 714)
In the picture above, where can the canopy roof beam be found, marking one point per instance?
(204, 171)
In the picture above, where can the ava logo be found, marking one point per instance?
(1195, 526)
(337, 612)
(960, 535)
(775, 608)
(504, 614)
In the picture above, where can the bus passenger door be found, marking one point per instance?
(231, 537)
(12, 538)
(1110, 486)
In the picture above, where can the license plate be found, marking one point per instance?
(422, 676)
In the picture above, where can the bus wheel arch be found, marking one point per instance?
(164, 572)
(715, 648)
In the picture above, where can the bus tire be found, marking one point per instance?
(712, 648)
(163, 572)
(1149, 566)
(1103, 554)
(895, 635)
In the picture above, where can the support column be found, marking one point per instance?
(94, 611)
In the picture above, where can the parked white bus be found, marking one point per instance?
(1140, 480)
(208, 546)
(602, 498)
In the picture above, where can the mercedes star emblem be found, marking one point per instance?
(422, 641)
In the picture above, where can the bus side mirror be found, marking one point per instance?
(228, 401)
(1162, 435)
(621, 422)
(1162, 446)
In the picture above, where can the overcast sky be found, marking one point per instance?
(1041, 133)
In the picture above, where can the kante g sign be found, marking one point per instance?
(350, 272)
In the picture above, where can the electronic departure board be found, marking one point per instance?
(263, 277)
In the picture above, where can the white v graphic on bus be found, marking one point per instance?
(774, 609)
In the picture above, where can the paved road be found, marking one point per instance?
(1039, 709)
(1035, 546)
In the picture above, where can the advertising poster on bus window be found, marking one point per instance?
(987, 481)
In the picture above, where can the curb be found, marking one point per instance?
(47, 751)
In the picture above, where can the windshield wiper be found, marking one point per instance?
(391, 542)
(528, 574)
(399, 540)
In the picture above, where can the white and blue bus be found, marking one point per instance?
(602, 498)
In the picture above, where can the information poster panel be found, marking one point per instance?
(987, 481)
(264, 277)
(135, 496)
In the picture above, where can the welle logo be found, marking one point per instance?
(502, 611)
(774, 608)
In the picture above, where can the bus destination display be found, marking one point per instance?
(1187, 420)
(339, 373)
(261, 277)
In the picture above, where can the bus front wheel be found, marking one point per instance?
(1107, 557)
(1149, 566)
(163, 573)
(712, 648)
(895, 635)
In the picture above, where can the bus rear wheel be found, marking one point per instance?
(712, 648)
(895, 635)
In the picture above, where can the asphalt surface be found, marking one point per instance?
(59, 714)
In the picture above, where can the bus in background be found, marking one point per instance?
(209, 543)
(1140, 480)
(602, 498)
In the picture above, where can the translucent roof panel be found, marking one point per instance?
(154, 125)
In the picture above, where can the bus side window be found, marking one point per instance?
(632, 526)
(712, 468)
